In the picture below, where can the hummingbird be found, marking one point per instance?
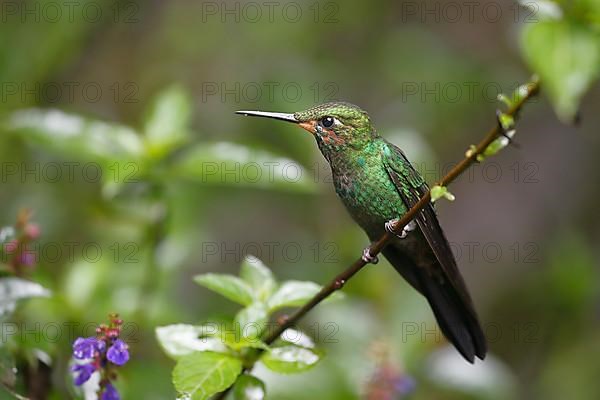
(378, 185)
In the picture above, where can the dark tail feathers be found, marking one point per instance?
(456, 319)
(454, 314)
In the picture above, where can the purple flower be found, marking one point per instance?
(118, 353)
(110, 393)
(84, 372)
(405, 385)
(26, 258)
(86, 348)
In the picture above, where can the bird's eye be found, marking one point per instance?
(327, 122)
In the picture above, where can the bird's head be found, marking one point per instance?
(336, 125)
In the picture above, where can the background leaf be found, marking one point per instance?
(167, 122)
(229, 286)
(14, 289)
(225, 163)
(77, 136)
(566, 56)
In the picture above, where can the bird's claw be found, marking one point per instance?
(389, 227)
(368, 258)
(408, 228)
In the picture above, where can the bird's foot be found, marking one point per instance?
(408, 228)
(368, 258)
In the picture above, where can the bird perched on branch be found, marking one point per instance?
(378, 185)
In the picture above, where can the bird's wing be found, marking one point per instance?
(411, 186)
(445, 290)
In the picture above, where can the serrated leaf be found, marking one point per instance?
(258, 276)
(251, 321)
(182, 339)
(228, 286)
(233, 164)
(566, 56)
(15, 289)
(292, 294)
(249, 387)
(290, 359)
(167, 121)
(199, 375)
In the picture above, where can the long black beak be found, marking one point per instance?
(273, 115)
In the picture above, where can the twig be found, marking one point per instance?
(376, 247)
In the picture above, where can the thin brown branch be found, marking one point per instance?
(376, 247)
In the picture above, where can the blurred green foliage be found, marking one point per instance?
(564, 49)
(170, 76)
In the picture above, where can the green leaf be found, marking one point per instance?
(252, 320)
(507, 121)
(290, 359)
(167, 121)
(72, 135)
(566, 56)
(504, 99)
(438, 192)
(182, 339)
(237, 342)
(233, 164)
(248, 387)
(199, 375)
(229, 286)
(293, 294)
(258, 276)
(524, 90)
(497, 145)
(15, 289)
(297, 338)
